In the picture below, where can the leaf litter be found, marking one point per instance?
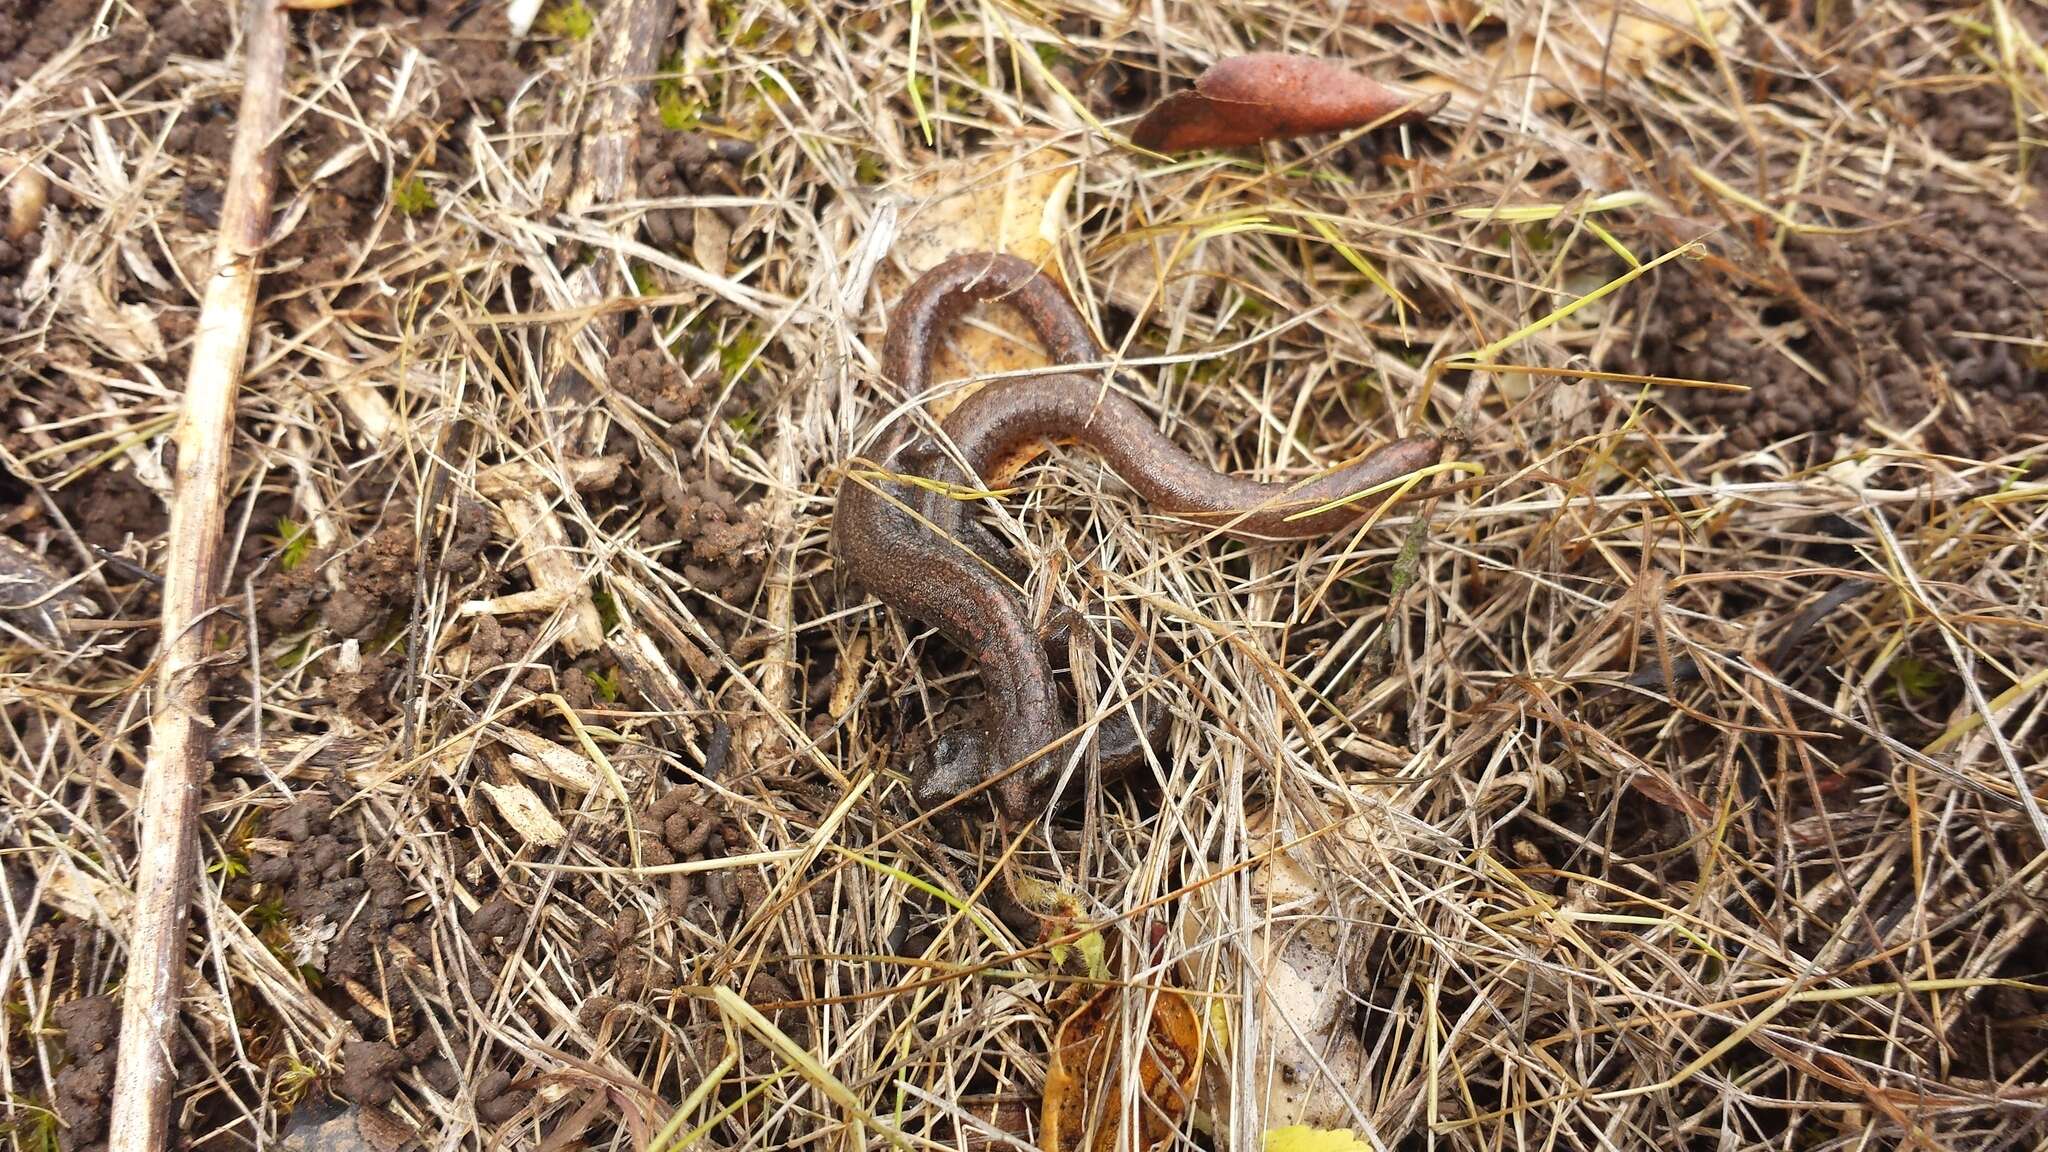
(1571, 842)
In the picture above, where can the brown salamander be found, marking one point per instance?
(883, 548)
(931, 578)
(1005, 424)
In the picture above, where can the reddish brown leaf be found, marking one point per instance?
(1273, 96)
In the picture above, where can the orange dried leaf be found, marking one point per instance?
(1084, 1086)
(1273, 96)
(1413, 12)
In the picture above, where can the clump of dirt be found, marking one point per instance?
(1891, 323)
(338, 900)
(84, 1084)
(363, 692)
(682, 826)
(332, 905)
(671, 163)
(479, 67)
(1961, 108)
(644, 373)
(370, 1071)
(494, 644)
(377, 582)
(472, 533)
(725, 537)
(612, 951)
(497, 1100)
(111, 507)
(285, 596)
(1699, 327)
(377, 578)
(1940, 298)
(32, 31)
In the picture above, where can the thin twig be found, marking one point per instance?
(168, 816)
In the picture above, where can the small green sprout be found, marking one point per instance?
(1916, 679)
(571, 21)
(737, 353)
(411, 196)
(294, 543)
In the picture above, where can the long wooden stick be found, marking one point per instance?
(173, 773)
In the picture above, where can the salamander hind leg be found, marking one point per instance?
(1120, 738)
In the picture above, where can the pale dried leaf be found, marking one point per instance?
(711, 245)
(1012, 203)
(525, 812)
(543, 759)
(1577, 49)
(128, 331)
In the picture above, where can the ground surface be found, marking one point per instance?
(1653, 797)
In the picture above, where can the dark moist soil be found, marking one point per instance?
(723, 537)
(1875, 315)
(331, 904)
(670, 163)
(84, 1085)
(1879, 315)
(149, 33)
(378, 582)
(479, 74)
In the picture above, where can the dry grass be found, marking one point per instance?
(1661, 795)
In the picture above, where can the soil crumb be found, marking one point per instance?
(90, 1027)
(377, 582)
(1932, 317)
(725, 538)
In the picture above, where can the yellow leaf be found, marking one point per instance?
(1300, 1138)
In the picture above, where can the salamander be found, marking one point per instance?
(922, 552)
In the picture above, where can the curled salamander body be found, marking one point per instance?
(922, 553)
(882, 546)
(1007, 422)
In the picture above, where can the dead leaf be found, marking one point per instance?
(84, 896)
(1581, 46)
(710, 241)
(988, 204)
(1412, 12)
(1084, 1085)
(128, 331)
(1244, 100)
(525, 813)
(1317, 1058)
(543, 759)
(1313, 1063)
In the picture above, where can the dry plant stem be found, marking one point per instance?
(603, 173)
(552, 567)
(780, 600)
(143, 1075)
(604, 169)
(605, 164)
